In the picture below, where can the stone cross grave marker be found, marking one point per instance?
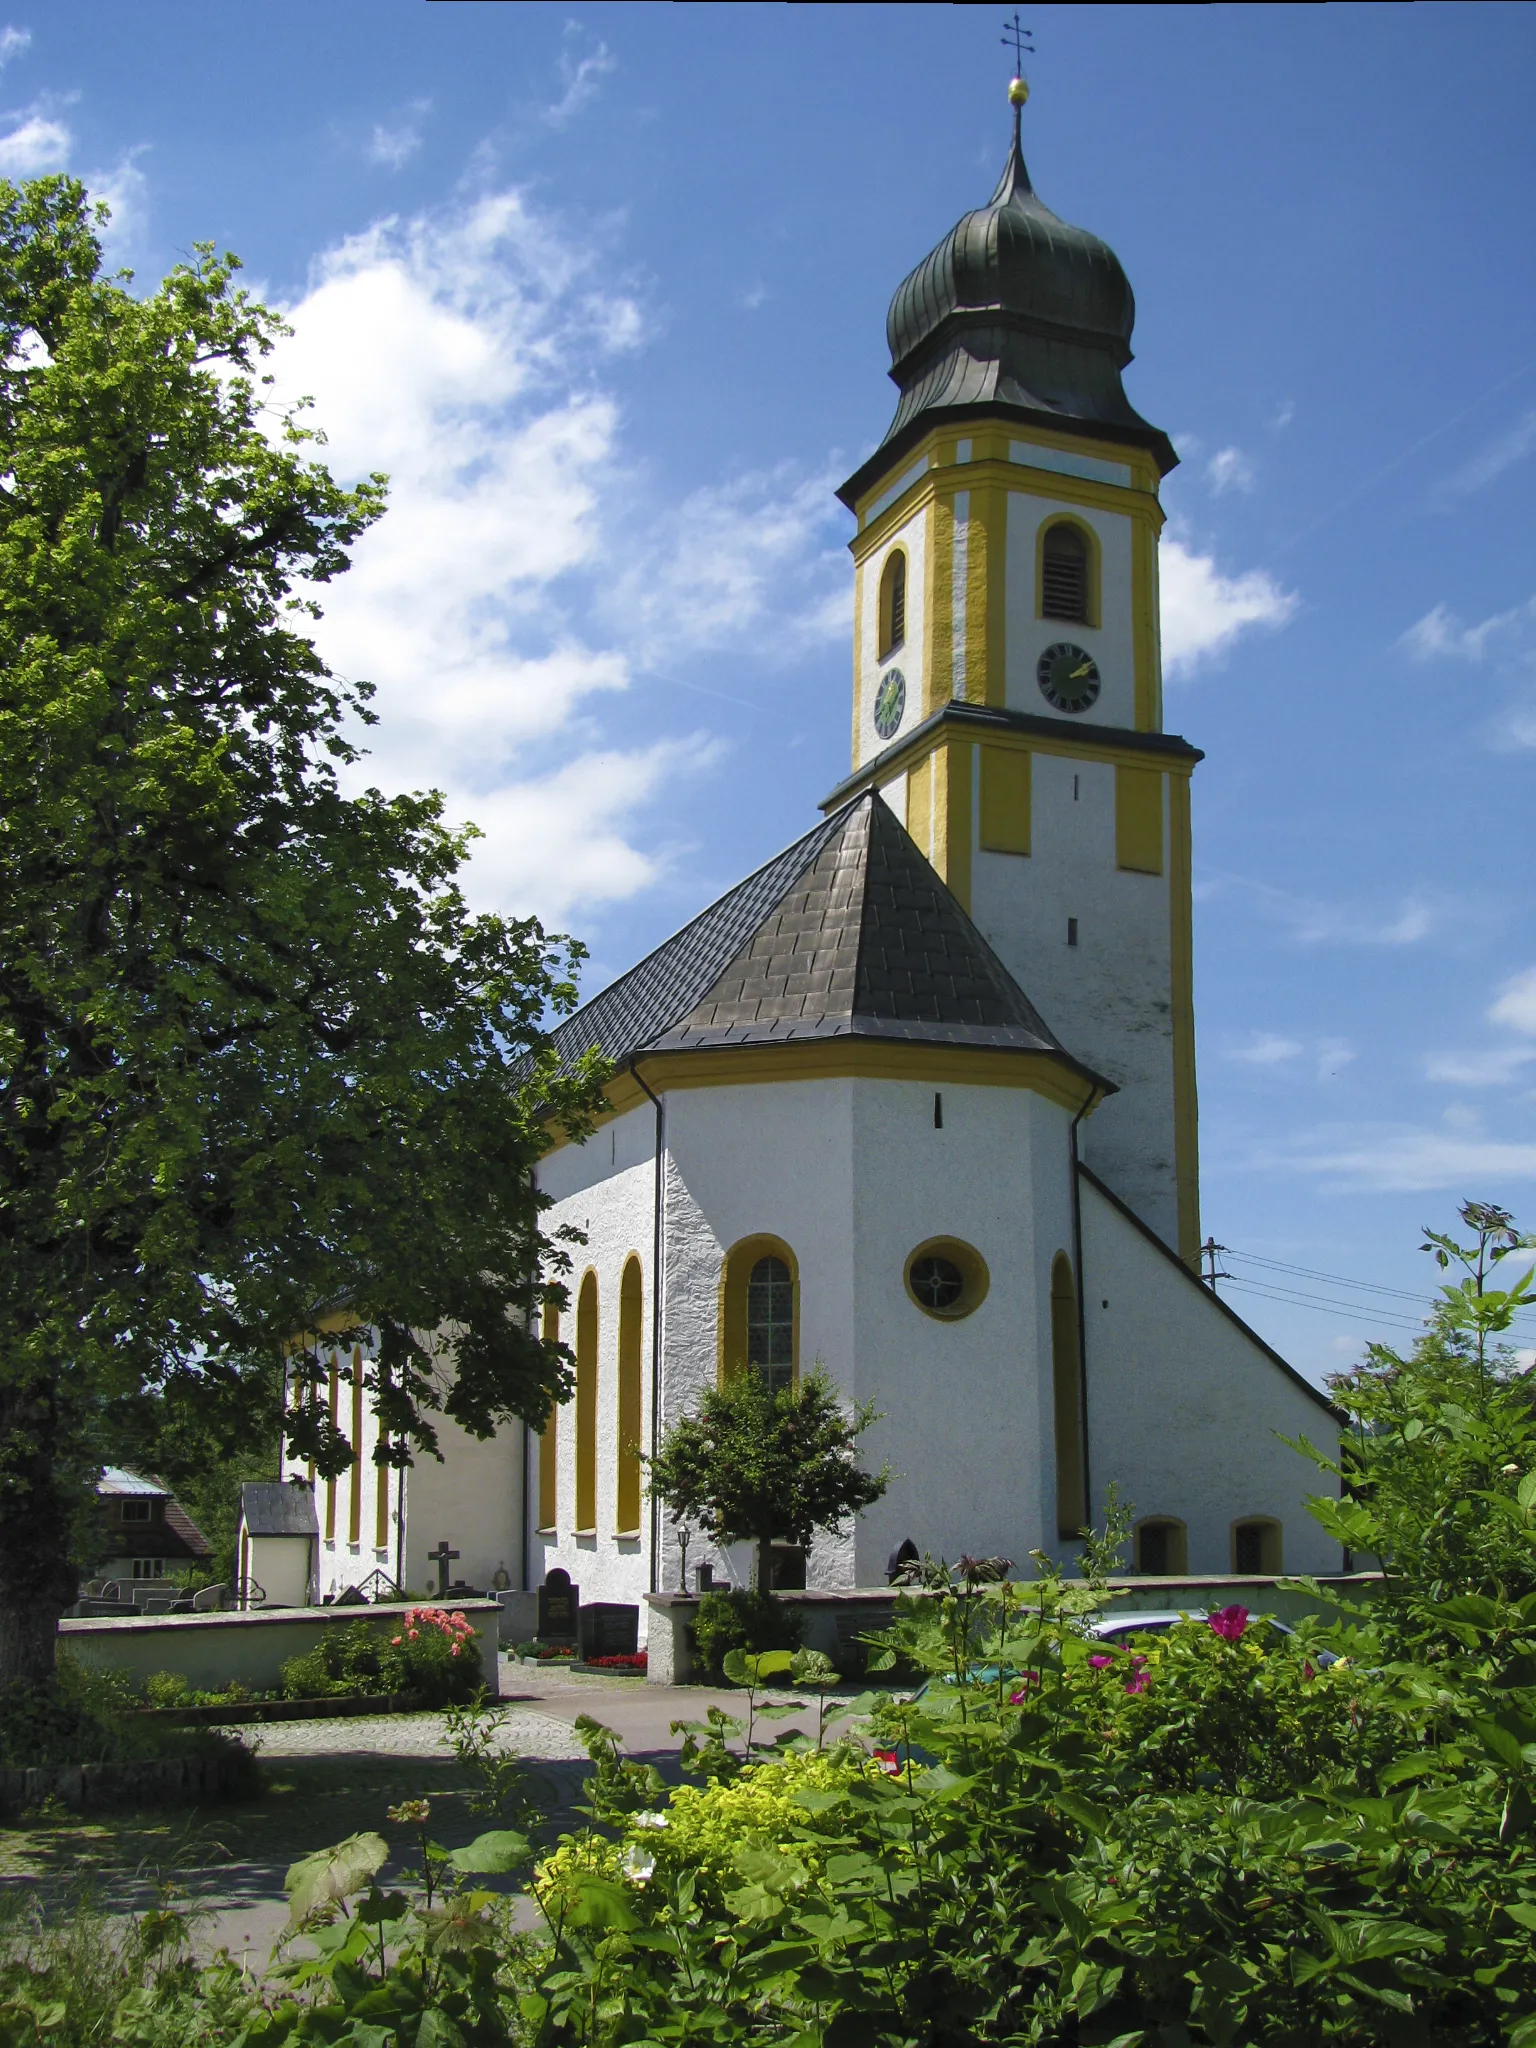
(442, 1557)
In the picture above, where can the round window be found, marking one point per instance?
(946, 1278)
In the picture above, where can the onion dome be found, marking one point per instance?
(1020, 312)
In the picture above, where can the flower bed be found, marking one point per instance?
(632, 1665)
(432, 1659)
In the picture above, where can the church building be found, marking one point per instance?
(917, 1098)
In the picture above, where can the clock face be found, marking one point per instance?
(1068, 677)
(890, 702)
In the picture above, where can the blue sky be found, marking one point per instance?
(604, 290)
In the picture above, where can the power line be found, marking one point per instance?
(1322, 1306)
(1335, 1279)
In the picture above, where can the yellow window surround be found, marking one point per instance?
(731, 1322)
(586, 1406)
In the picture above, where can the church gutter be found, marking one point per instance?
(1082, 1318)
(656, 1321)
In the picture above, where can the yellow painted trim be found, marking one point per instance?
(731, 1317)
(330, 1484)
(986, 595)
(1178, 1547)
(1139, 819)
(848, 1059)
(973, 1266)
(381, 1508)
(631, 1337)
(990, 441)
(1067, 1400)
(587, 1332)
(1095, 617)
(939, 604)
(859, 574)
(1272, 1552)
(1005, 799)
(1146, 638)
(955, 840)
(1186, 1115)
(999, 473)
(1082, 746)
(920, 805)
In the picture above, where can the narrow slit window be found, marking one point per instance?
(771, 1322)
(893, 602)
(1064, 575)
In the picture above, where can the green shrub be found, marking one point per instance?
(743, 1621)
(167, 1689)
(434, 1659)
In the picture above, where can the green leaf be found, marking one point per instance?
(1500, 1742)
(595, 1902)
(492, 1854)
(379, 1908)
(333, 1874)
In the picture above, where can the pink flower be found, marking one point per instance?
(1307, 1671)
(1099, 1662)
(1139, 1682)
(1229, 1623)
(395, 1640)
(454, 1651)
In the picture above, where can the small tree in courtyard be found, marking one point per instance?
(751, 1465)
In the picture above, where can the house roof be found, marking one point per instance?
(278, 1507)
(114, 1480)
(848, 933)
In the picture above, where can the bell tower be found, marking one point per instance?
(1007, 679)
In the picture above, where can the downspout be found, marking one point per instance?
(657, 1291)
(1094, 1098)
(522, 1524)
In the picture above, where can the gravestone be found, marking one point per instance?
(609, 1628)
(559, 1608)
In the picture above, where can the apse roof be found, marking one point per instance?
(849, 933)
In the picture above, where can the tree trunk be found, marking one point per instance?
(765, 1564)
(37, 1579)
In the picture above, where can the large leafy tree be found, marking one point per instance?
(257, 1059)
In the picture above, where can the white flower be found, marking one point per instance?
(638, 1865)
(1509, 1471)
(649, 1820)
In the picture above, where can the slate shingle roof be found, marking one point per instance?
(275, 1507)
(849, 933)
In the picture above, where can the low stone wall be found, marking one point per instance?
(835, 1620)
(209, 1650)
(152, 1781)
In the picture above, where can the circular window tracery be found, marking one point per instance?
(947, 1278)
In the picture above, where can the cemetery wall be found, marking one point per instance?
(209, 1650)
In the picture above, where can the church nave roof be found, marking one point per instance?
(849, 933)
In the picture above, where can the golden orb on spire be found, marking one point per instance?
(1018, 92)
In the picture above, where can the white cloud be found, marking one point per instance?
(395, 144)
(13, 42)
(1513, 445)
(126, 192)
(1515, 1005)
(1267, 1049)
(1494, 1069)
(37, 143)
(1282, 416)
(1333, 1055)
(581, 78)
(1404, 1158)
(1204, 611)
(1440, 633)
(1229, 470)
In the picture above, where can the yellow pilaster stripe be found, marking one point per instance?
(1186, 1120)
(1139, 819)
(985, 595)
(856, 754)
(1147, 669)
(939, 602)
(955, 862)
(920, 804)
(1005, 793)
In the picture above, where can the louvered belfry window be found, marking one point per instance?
(1064, 576)
(893, 602)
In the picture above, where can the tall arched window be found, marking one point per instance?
(893, 602)
(760, 1310)
(549, 1443)
(586, 1405)
(1066, 575)
(631, 1320)
(1067, 1387)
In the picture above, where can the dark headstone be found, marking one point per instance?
(706, 1578)
(559, 1608)
(609, 1628)
(352, 1596)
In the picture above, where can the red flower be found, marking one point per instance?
(1099, 1662)
(889, 1762)
(1229, 1623)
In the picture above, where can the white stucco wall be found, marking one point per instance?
(606, 1189)
(909, 657)
(1186, 1410)
(1111, 643)
(1108, 997)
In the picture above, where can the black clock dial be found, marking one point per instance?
(890, 702)
(1068, 677)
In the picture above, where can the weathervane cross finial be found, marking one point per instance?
(1017, 38)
